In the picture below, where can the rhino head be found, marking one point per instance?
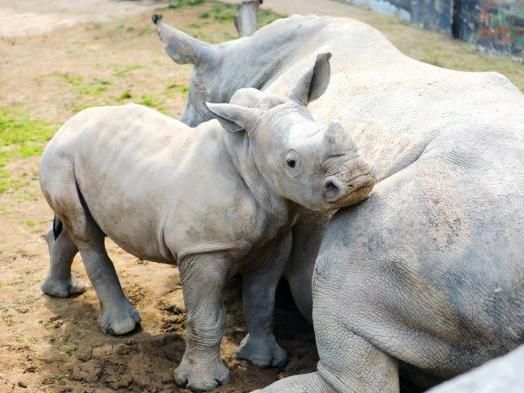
(298, 159)
(218, 70)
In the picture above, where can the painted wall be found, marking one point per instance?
(496, 25)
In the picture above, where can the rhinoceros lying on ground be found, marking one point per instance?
(427, 274)
(503, 375)
(215, 202)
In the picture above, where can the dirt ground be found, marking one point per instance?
(54, 61)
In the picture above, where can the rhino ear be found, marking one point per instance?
(314, 82)
(234, 118)
(181, 47)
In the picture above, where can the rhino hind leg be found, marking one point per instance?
(258, 299)
(306, 383)
(118, 316)
(80, 232)
(60, 282)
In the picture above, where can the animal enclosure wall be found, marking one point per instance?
(495, 25)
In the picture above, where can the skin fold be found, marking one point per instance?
(424, 276)
(218, 200)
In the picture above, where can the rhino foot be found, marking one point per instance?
(63, 288)
(119, 320)
(262, 351)
(201, 375)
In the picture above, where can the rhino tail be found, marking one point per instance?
(58, 227)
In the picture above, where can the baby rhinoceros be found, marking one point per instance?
(218, 200)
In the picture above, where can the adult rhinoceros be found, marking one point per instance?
(217, 203)
(428, 273)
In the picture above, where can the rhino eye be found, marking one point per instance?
(292, 160)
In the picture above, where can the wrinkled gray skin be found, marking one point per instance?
(246, 19)
(216, 203)
(503, 375)
(425, 276)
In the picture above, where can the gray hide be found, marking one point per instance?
(217, 200)
(246, 19)
(503, 375)
(427, 272)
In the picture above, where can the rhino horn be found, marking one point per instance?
(246, 19)
(235, 118)
(314, 82)
(181, 47)
(336, 135)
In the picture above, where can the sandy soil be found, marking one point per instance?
(54, 345)
(32, 17)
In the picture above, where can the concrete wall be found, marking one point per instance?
(496, 25)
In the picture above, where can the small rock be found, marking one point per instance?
(87, 372)
(167, 377)
(121, 349)
(84, 354)
(140, 381)
(22, 384)
(102, 351)
(48, 353)
(121, 382)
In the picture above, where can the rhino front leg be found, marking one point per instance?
(203, 281)
(348, 363)
(258, 299)
(306, 383)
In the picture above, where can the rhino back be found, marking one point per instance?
(142, 173)
(396, 105)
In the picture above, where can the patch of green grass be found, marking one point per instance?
(175, 89)
(123, 70)
(175, 4)
(152, 102)
(224, 12)
(266, 17)
(126, 95)
(68, 349)
(20, 137)
(30, 223)
(92, 87)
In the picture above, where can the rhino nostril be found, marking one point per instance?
(331, 191)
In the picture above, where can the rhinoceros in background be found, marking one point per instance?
(427, 275)
(503, 375)
(217, 203)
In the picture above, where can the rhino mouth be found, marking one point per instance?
(354, 191)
